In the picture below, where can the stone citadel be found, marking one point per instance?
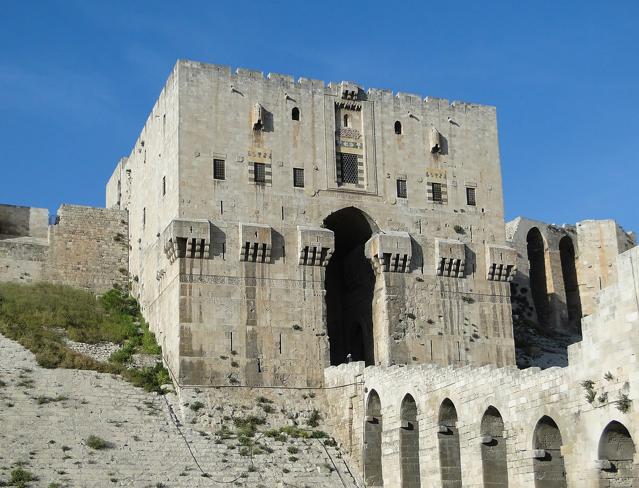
(283, 233)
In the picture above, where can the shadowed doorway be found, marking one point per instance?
(350, 282)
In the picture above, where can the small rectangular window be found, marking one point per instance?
(219, 172)
(298, 177)
(163, 185)
(437, 192)
(470, 196)
(259, 172)
(401, 188)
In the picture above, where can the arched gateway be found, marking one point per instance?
(350, 282)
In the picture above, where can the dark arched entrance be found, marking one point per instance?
(549, 463)
(538, 285)
(571, 285)
(616, 447)
(350, 282)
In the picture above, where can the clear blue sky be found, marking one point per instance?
(78, 78)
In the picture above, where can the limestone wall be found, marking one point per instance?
(423, 312)
(20, 221)
(22, 260)
(605, 361)
(88, 248)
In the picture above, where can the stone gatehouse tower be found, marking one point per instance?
(279, 226)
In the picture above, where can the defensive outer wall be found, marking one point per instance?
(430, 426)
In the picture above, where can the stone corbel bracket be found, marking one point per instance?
(450, 258)
(315, 245)
(500, 263)
(187, 239)
(255, 243)
(390, 251)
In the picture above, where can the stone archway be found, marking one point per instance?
(409, 444)
(536, 250)
(571, 284)
(548, 464)
(373, 428)
(493, 450)
(349, 284)
(448, 440)
(616, 453)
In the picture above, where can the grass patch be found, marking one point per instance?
(97, 443)
(38, 316)
(20, 477)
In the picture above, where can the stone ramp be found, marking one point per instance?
(46, 417)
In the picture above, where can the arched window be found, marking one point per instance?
(548, 464)
(373, 441)
(409, 443)
(295, 113)
(617, 451)
(448, 439)
(347, 119)
(398, 127)
(493, 450)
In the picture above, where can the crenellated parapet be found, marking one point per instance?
(255, 243)
(450, 258)
(315, 245)
(390, 251)
(501, 263)
(187, 239)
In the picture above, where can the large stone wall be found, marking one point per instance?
(586, 401)
(438, 300)
(87, 247)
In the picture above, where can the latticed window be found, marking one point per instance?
(259, 172)
(401, 188)
(298, 177)
(470, 196)
(218, 169)
(437, 192)
(347, 164)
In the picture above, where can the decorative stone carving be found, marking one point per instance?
(255, 243)
(187, 239)
(450, 258)
(315, 245)
(390, 251)
(500, 263)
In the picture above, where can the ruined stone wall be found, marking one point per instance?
(17, 221)
(445, 304)
(597, 390)
(88, 248)
(22, 261)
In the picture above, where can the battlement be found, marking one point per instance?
(288, 82)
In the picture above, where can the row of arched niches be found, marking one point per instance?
(616, 450)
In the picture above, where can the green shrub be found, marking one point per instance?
(196, 406)
(20, 478)
(97, 443)
(314, 418)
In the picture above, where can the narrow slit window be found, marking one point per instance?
(401, 188)
(163, 185)
(298, 177)
(259, 172)
(219, 171)
(295, 113)
(398, 127)
(346, 120)
(471, 196)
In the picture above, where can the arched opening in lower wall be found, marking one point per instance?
(571, 284)
(448, 440)
(616, 453)
(409, 444)
(548, 463)
(493, 450)
(373, 442)
(350, 282)
(537, 274)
